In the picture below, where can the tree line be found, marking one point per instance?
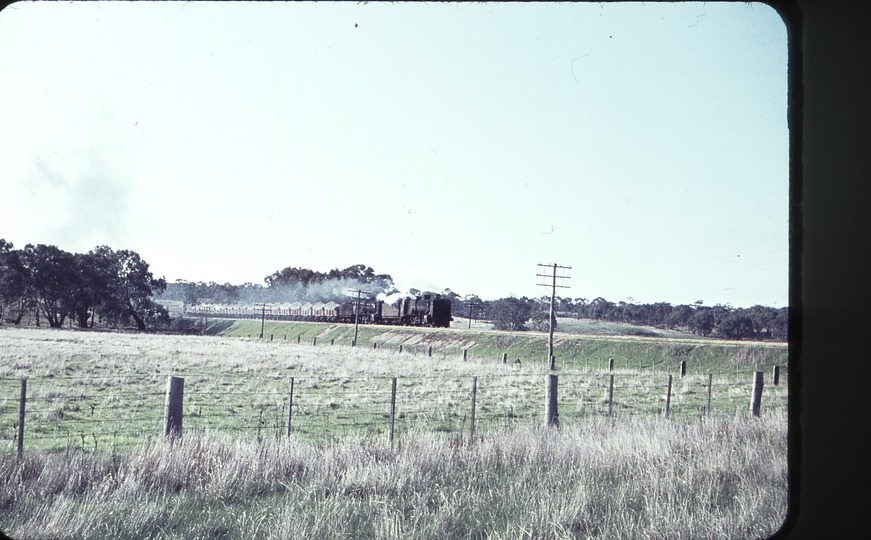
(113, 288)
(103, 286)
(726, 322)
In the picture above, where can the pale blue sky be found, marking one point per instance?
(450, 145)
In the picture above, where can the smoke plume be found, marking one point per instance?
(336, 290)
(80, 203)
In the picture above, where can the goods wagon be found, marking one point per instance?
(424, 310)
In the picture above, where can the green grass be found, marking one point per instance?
(572, 350)
(607, 328)
(106, 391)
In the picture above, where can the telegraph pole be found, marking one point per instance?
(263, 320)
(356, 314)
(471, 305)
(553, 287)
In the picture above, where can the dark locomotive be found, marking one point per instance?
(424, 310)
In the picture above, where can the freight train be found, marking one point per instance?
(424, 310)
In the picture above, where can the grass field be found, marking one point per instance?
(584, 343)
(95, 404)
(107, 390)
(572, 325)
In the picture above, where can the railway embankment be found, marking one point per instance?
(634, 353)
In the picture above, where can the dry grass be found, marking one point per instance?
(723, 478)
(106, 390)
(630, 477)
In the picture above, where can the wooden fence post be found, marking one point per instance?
(668, 397)
(505, 358)
(683, 368)
(22, 400)
(551, 414)
(464, 354)
(775, 375)
(270, 337)
(710, 383)
(474, 394)
(333, 341)
(429, 351)
(392, 411)
(610, 395)
(174, 399)
(400, 347)
(756, 401)
(314, 341)
(289, 407)
(610, 364)
(374, 344)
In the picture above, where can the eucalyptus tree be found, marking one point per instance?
(93, 295)
(134, 286)
(13, 283)
(52, 281)
(737, 325)
(510, 313)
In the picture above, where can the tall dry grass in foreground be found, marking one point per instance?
(639, 478)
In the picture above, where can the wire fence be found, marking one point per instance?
(116, 413)
(569, 352)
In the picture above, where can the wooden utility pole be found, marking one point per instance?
(356, 315)
(553, 287)
(263, 320)
(471, 306)
(551, 413)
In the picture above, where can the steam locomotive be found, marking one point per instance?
(424, 310)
